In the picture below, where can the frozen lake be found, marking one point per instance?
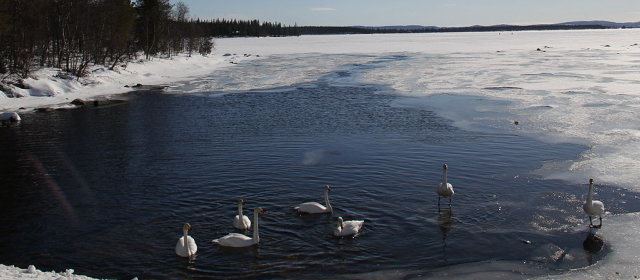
(106, 190)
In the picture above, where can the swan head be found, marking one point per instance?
(259, 210)
(590, 181)
(445, 166)
(241, 202)
(327, 188)
(186, 227)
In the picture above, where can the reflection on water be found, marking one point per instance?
(445, 222)
(104, 191)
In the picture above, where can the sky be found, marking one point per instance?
(418, 12)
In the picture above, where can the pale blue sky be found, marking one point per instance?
(420, 12)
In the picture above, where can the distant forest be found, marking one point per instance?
(74, 34)
(320, 30)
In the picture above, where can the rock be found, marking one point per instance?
(44, 109)
(31, 269)
(516, 122)
(137, 85)
(78, 102)
(593, 243)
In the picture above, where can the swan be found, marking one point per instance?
(316, 208)
(593, 207)
(445, 189)
(186, 246)
(241, 240)
(241, 221)
(348, 228)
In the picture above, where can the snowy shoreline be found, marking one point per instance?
(47, 87)
(12, 272)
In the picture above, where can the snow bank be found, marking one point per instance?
(50, 87)
(12, 272)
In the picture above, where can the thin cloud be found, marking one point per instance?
(323, 9)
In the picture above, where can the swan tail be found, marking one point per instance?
(217, 241)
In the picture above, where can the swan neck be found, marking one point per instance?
(326, 201)
(444, 177)
(590, 194)
(256, 234)
(240, 211)
(185, 240)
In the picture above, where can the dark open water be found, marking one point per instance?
(106, 190)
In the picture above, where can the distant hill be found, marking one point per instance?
(573, 25)
(608, 24)
(604, 23)
(398, 27)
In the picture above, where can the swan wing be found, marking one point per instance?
(445, 190)
(349, 228)
(243, 223)
(312, 208)
(182, 251)
(596, 208)
(234, 240)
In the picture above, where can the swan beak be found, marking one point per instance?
(327, 187)
(261, 210)
(445, 166)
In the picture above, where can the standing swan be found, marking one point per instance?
(241, 221)
(317, 208)
(186, 246)
(241, 240)
(593, 207)
(445, 189)
(347, 228)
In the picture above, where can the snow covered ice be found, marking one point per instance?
(578, 87)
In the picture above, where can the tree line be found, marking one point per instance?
(326, 30)
(73, 34)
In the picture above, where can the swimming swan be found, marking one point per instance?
(445, 189)
(241, 240)
(241, 221)
(316, 208)
(347, 228)
(593, 207)
(186, 246)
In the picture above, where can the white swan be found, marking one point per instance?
(316, 208)
(348, 228)
(445, 189)
(241, 221)
(593, 207)
(241, 240)
(186, 246)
